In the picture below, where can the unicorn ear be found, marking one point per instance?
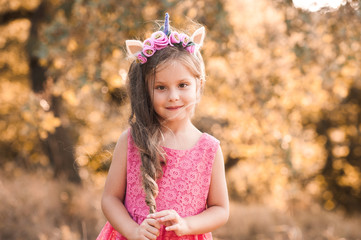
(133, 46)
(198, 36)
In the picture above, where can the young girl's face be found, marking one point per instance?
(174, 92)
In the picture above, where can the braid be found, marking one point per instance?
(149, 184)
(145, 130)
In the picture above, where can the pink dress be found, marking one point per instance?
(183, 187)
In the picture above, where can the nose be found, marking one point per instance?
(173, 95)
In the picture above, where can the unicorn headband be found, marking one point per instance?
(161, 39)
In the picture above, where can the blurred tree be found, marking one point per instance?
(76, 67)
(338, 121)
(281, 87)
(58, 145)
(285, 68)
(340, 127)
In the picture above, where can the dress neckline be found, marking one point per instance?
(188, 149)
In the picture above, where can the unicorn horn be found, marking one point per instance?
(166, 24)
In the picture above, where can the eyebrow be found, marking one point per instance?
(179, 80)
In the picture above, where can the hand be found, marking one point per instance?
(172, 221)
(148, 229)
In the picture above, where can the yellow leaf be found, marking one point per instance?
(116, 53)
(49, 123)
(43, 134)
(59, 63)
(116, 81)
(72, 45)
(70, 97)
(27, 116)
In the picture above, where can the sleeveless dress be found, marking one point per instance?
(183, 187)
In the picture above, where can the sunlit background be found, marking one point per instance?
(283, 94)
(324, 5)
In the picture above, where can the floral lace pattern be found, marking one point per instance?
(183, 187)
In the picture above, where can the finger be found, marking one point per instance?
(150, 236)
(153, 222)
(153, 232)
(170, 217)
(146, 234)
(166, 223)
(174, 227)
(152, 226)
(166, 215)
(159, 214)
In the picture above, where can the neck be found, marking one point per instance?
(180, 136)
(176, 128)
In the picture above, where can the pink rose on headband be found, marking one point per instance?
(184, 39)
(148, 43)
(141, 58)
(191, 48)
(148, 51)
(160, 40)
(174, 38)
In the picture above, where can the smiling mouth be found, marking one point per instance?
(174, 108)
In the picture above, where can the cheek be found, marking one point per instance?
(158, 98)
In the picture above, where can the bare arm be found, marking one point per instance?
(113, 198)
(213, 217)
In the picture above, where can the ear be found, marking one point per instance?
(198, 36)
(133, 46)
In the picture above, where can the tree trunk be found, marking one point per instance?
(58, 146)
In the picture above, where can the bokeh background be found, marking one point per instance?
(283, 94)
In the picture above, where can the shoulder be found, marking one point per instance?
(211, 139)
(123, 140)
(121, 147)
(211, 146)
(204, 136)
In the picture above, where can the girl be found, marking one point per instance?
(167, 179)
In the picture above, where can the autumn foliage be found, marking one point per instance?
(283, 94)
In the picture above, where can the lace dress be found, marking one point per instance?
(183, 187)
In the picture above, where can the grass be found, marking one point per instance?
(34, 206)
(258, 222)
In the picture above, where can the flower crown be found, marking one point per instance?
(163, 38)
